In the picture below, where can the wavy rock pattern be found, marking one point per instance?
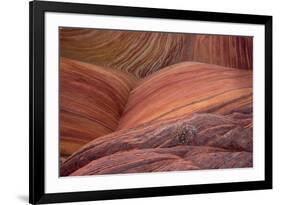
(134, 102)
(187, 88)
(92, 100)
(203, 141)
(142, 53)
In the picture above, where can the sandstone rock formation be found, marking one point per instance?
(133, 102)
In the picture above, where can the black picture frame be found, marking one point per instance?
(37, 192)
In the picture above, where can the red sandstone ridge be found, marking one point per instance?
(204, 141)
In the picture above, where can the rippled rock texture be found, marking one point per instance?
(133, 102)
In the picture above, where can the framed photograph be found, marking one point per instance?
(141, 102)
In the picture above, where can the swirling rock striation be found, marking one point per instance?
(143, 53)
(229, 51)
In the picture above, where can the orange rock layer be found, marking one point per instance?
(92, 100)
(187, 88)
